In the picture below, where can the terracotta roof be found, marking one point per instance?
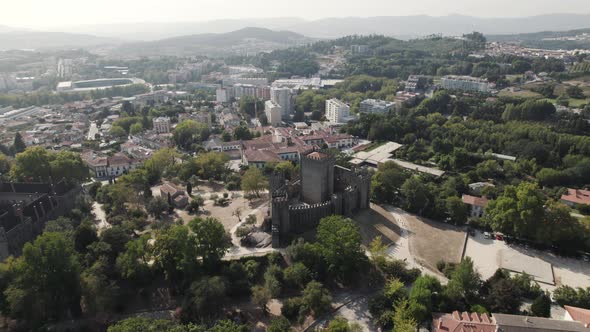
(462, 322)
(577, 196)
(474, 200)
(579, 314)
(119, 159)
(259, 156)
(317, 155)
(169, 189)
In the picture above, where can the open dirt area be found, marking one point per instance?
(422, 243)
(433, 241)
(488, 255)
(376, 221)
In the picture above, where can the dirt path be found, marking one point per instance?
(100, 216)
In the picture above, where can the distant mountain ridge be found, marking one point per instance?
(396, 26)
(244, 41)
(24, 39)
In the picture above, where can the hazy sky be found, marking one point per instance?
(50, 13)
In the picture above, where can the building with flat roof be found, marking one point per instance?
(337, 111)
(284, 98)
(465, 83)
(161, 125)
(273, 113)
(516, 323)
(376, 106)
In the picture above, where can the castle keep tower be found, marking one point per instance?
(317, 177)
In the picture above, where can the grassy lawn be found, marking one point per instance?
(519, 94)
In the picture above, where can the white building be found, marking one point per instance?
(465, 83)
(223, 95)
(273, 113)
(337, 111)
(162, 125)
(65, 68)
(284, 98)
(376, 106)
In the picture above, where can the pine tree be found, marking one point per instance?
(19, 143)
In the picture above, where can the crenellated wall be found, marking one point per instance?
(325, 189)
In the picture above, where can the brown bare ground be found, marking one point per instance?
(432, 241)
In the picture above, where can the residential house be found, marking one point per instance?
(477, 205)
(576, 196)
(577, 315)
(178, 196)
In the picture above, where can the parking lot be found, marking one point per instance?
(548, 269)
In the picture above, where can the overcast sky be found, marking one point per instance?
(51, 13)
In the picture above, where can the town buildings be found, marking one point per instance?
(161, 125)
(376, 106)
(465, 83)
(359, 49)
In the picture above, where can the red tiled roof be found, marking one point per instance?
(577, 196)
(169, 189)
(474, 200)
(253, 156)
(579, 314)
(462, 322)
(317, 155)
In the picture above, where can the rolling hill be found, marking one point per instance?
(25, 39)
(240, 42)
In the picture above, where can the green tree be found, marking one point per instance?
(189, 132)
(99, 293)
(134, 262)
(136, 128)
(416, 195)
(574, 91)
(402, 319)
(464, 283)
(84, 235)
(205, 299)
(157, 206)
(175, 253)
(211, 240)
(340, 324)
(36, 295)
(297, 275)
(253, 181)
(19, 144)
(279, 324)
(260, 297)
(456, 210)
(32, 164)
(5, 164)
(541, 306)
(317, 298)
(340, 244)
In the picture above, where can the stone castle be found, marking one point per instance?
(322, 189)
(26, 207)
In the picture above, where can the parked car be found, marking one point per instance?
(487, 235)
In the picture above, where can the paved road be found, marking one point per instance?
(100, 216)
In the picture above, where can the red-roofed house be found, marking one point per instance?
(477, 205)
(462, 322)
(576, 196)
(577, 315)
